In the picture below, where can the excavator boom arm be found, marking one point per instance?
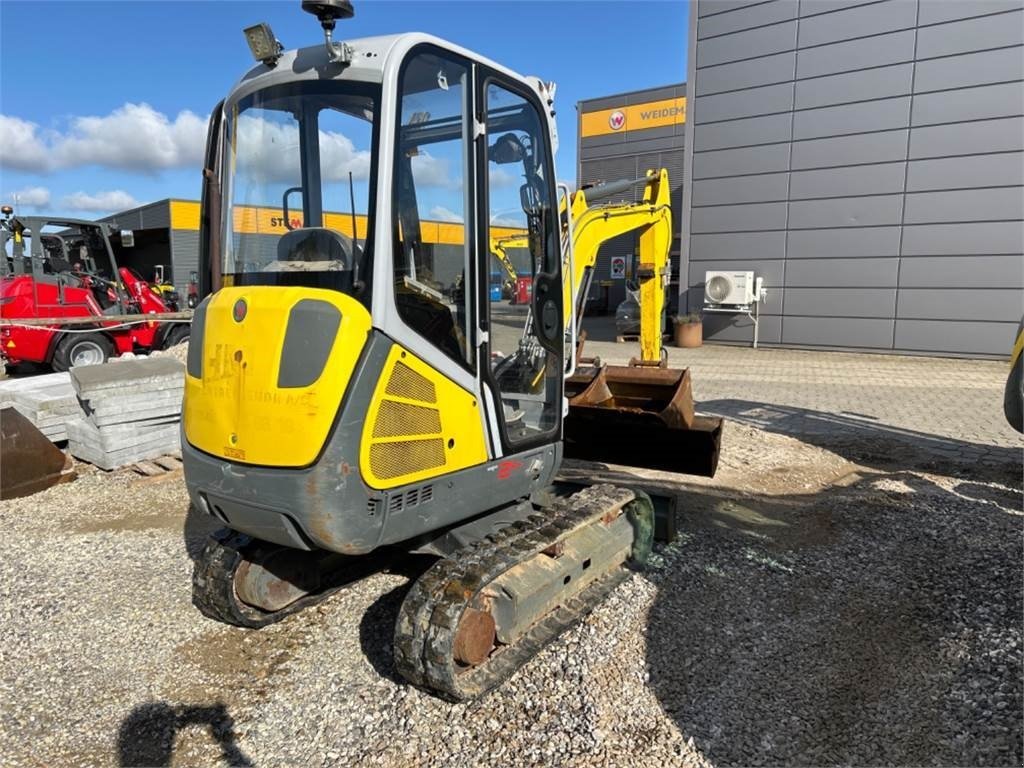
(595, 225)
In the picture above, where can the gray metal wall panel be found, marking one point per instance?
(988, 239)
(766, 13)
(967, 138)
(738, 245)
(152, 216)
(845, 57)
(747, 74)
(850, 150)
(738, 329)
(1004, 100)
(844, 243)
(1001, 203)
(991, 304)
(845, 212)
(738, 218)
(741, 161)
(962, 271)
(854, 86)
(957, 337)
(872, 333)
(859, 21)
(619, 149)
(184, 258)
(738, 133)
(748, 44)
(937, 12)
(1002, 169)
(840, 302)
(852, 118)
(752, 101)
(969, 69)
(816, 7)
(745, 189)
(842, 273)
(713, 7)
(894, 200)
(855, 180)
(970, 35)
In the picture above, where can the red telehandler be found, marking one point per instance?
(65, 302)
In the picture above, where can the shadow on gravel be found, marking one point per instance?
(877, 623)
(146, 736)
(197, 527)
(377, 632)
(377, 626)
(876, 445)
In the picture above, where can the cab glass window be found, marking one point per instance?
(431, 253)
(300, 178)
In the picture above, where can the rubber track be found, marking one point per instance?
(213, 581)
(429, 616)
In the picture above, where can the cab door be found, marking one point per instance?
(521, 350)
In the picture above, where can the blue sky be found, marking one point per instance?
(104, 104)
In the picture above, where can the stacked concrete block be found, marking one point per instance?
(130, 411)
(47, 401)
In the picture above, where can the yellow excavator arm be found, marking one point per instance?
(499, 249)
(594, 225)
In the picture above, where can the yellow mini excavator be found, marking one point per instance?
(351, 390)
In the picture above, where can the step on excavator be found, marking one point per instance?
(351, 393)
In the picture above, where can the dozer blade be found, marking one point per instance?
(640, 417)
(28, 461)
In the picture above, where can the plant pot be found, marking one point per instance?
(689, 334)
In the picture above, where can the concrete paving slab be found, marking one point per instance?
(156, 370)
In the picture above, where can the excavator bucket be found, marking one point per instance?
(28, 461)
(639, 417)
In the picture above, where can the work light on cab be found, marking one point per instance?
(264, 46)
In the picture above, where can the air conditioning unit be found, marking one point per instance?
(729, 288)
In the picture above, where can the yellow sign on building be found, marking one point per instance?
(636, 117)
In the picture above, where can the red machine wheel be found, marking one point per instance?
(81, 349)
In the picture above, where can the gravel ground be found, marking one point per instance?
(813, 611)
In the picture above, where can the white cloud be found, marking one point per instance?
(268, 151)
(31, 197)
(499, 177)
(113, 200)
(506, 220)
(431, 171)
(440, 213)
(133, 137)
(20, 147)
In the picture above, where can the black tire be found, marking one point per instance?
(1013, 395)
(81, 349)
(177, 335)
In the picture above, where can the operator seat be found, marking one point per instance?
(316, 244)
(315, 257)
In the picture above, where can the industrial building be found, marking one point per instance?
(866, 159)
(164, 233)
(621, 137)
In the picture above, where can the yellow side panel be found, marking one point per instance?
(236, 410)
(420, 425)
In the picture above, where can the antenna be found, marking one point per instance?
(327, 13)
